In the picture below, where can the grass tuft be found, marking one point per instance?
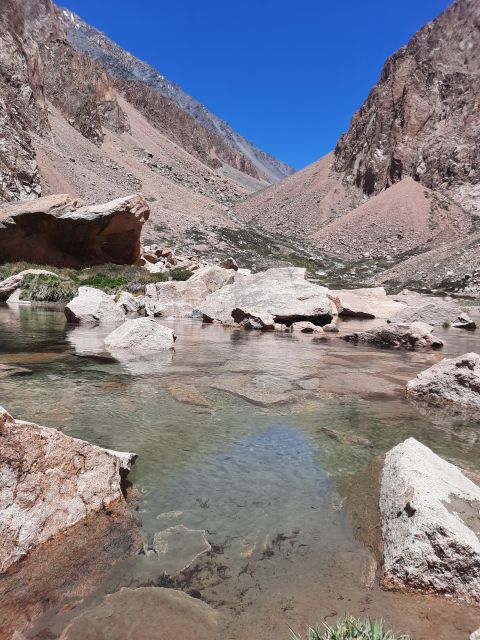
(350, 628)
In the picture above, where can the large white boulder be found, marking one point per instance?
(281, 293)
(50, 482)
(417, 336)
(452, 382)
(140, 336)
(179, 299)
(366, 303)
(430, 524)
(93, 306)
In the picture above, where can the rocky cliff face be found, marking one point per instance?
(422, 118)
(128, 69)
(22, 105)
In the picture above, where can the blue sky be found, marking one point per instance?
(287, 74)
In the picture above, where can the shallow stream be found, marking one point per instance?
(263, 440)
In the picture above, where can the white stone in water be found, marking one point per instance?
(178, 547)
(142, 336)
(93, 306)
(430, 523)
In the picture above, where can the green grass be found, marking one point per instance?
(110, 278)
(349, 628)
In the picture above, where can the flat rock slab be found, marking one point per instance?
(93, 306)
(147, 613)
(366, 303)
(261, 390)
(412, 337)
(55, 230)
(453, 383)
(433, 310)
(431, 524)
(49, 483)
(283, 295)
(178, 547)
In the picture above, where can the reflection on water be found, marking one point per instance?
(258, 439)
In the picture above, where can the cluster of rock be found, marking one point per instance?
(162, 259)
(51, 482)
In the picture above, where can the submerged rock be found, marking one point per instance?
(140, 336)
(146, 613)
(430, 524)
(413, 337)
(8, 370)
(55, 230)
(452, 382)
(179, 546)
(92, 306)
(50, 482)
(283, 294)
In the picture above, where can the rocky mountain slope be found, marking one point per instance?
(68, 126)
(419, 127)
(127, 69)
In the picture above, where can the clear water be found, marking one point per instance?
(272, 469)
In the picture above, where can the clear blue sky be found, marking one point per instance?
(287, 74)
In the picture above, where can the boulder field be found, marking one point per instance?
(430, 524)
(51, 482)
(55, 230)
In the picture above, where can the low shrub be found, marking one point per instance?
(350, 628)
(43, 288)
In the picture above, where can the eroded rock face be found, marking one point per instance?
(283, 294)
(55, 230)
(413, 337)
(421, 119)
(92, 306)
(140, 336)
(430, 523)
(50, 482)
(452, 382)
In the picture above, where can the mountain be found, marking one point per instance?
(124, 67)
(420, 128)
(69, 126)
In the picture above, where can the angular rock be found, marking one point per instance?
(140, 336)
(464, 322)
(229, 263)
(55, 230)
(366, 303)
(282, 293)
(179, 299)
(49, 483)
(413, 337)
(452, 382)
(179, 546)
(430, 524)
(433, 310)
(12, 283)
(92, 306)
(306, 327)
(8, 370)
(130, 303)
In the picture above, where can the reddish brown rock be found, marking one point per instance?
(51, 482)
(55, 230)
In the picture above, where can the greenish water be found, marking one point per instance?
(264, 462)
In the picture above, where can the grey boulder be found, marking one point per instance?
(417, 336)
(430, 524)
(141, 336)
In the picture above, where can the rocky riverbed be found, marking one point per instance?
(253, 449)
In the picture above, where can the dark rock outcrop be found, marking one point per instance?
(56, 231)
